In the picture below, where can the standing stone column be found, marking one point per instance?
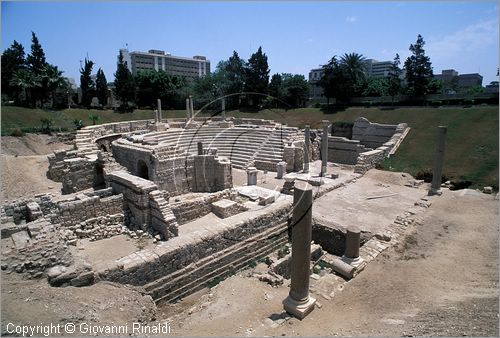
(352, 243)
(298, 302)
(223, 109)
(324, 149)
(438, 161)
(252, 176)
(200, 148)
(159, 110)
(191, 105)
(280, 169)
(188, 109)
(307, 139)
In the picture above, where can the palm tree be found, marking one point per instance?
(26, 81)
(52, 79)
(355, 66)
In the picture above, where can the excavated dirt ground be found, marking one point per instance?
(24, 165)
(441, 280)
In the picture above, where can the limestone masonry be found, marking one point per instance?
(169, 187)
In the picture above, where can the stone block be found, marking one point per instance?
(225, 208)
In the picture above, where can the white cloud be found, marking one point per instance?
(470, 39)
(351, 19)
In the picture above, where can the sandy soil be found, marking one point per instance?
(24, 165)
(35, 302)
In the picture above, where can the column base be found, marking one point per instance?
(435, 192)
(354, 262)
(299, 309)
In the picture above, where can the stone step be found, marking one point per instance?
(176, 275)
(248, 247)
(223, 271)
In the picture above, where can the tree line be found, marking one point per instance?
(30, 80)
(240, 82)
(346, 77)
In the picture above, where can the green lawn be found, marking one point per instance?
(471, 149)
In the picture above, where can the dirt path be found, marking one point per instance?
(443, 280)
(24, 165)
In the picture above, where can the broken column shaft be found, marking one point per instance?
(188, 109)
(159, 110)
(352, 242)
(191, 106)
(438, 161)
(200, 148)
(307, 139)
(324, 149)
(223, 108)
(298, 302)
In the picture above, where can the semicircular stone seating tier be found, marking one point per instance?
(240, 145)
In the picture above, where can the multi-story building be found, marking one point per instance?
(451, 77)
(190, 68)
(378, 68)
(316, 92)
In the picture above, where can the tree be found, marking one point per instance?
(27, 82)
(355, 68)
(418, 69)
(257, 76)
(234, 70)
(376, 86)
(335, 81)
(152, 85)
(36, 60)
(295, 89)
(394, 78)
(86, 83)
(101, 87)
(276, 89)
(124, 85)
(12, 61)
(51, 80)
(36, 64)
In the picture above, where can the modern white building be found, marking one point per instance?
(190, 68)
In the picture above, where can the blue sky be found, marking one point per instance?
(296, 36)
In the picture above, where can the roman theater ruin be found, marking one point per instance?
(200, 199)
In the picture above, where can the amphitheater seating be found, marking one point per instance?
(239, 144)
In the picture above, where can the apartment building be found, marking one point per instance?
(462, 80)
(154, 59)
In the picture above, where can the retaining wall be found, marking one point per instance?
(183, 264)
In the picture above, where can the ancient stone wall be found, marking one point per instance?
(149, 209)
(94, 228)
(130, 157)
(343, 150)
(57, 165)
(189, 210)
(85, 207)
(79, 174)
(372, 135)
(265, 165)
(17, 211)
(187, 262)
(211, 174)
(369, 159)
(174, 175)
(41, 250)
